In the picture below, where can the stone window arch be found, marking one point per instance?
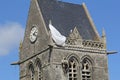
(87, 68)
(73, 69)
(31, 72)
(38, 69)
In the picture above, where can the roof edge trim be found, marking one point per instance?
(91, 21)
(41, 16)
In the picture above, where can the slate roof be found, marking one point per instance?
(65, 16)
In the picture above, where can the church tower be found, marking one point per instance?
(70, 50)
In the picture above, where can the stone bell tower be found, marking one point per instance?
(83, 57)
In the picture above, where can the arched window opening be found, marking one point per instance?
(31, 72)
(39, 70)
(73, 69)
(86, 69)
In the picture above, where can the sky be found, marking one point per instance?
(13, 17)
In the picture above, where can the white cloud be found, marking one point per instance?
(10, 35)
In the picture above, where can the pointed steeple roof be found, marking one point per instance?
(65, 16)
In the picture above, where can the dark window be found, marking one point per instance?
(73, 72)
(86, 69)
(39, 71)
(31, 72)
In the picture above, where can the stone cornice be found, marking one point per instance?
(82, 49)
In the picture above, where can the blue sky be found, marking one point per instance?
(13, 17)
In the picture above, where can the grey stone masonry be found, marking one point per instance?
(84, 56)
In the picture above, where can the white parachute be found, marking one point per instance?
(58, 38)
